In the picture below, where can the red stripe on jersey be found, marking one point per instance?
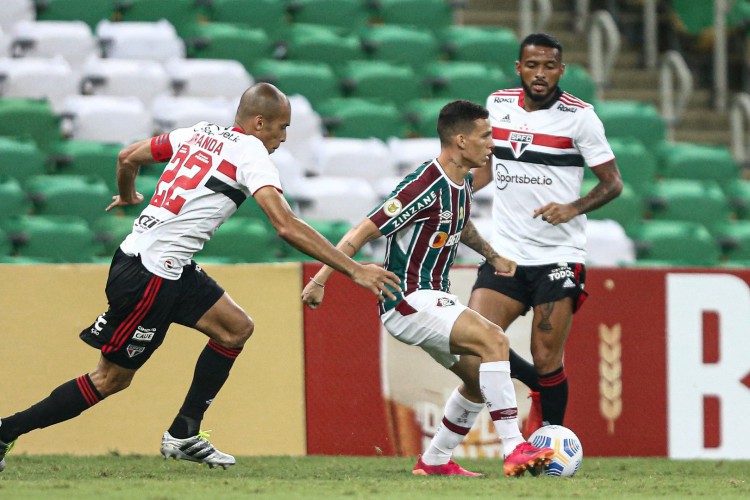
(224, 351)
(509, 92)
(550, 141)
(161, 148)
(135, 317)
(573, 100)
(227, 169)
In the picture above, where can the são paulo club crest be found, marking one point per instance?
(519, 141)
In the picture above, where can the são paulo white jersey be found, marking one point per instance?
(211, 171)
(539, 158)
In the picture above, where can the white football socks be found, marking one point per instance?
(460, 414)
(500, 395)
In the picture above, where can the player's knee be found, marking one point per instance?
(241, 332)
(496, 344)
(546, 360)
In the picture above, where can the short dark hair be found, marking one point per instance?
(542, 40)
(458, 117)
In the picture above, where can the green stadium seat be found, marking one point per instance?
(347, 14)
(698, 161)
(228, 41)
(21, 158)
(577, 81)
(627, 209)
(688, 200)
(381, 80)
(110, 230)
(86, 158)
(79, 195)
(311, 42)
(183, 14)
(316, 81)
(400, 44)
(88, 11)
(243, 240)
(332, 230)
(269, 15)
(632, 119)
(362, 118)
(30, 119)
(738, 193)
(496, 46)
(13, 199)
(638, 165)
(434, 15)
(734, 238)
(6, 246)
(52, 238)
(465, 80)
(422, 115)
(675, 242)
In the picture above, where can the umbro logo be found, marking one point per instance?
(446, 215)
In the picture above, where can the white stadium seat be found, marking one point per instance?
(72, 40)
(607, 244)
(411, 153)
(304, 135)
(169, 112)
(38, 78)
(144, 79)
(157, 41)
(368, 159)
(13, 11)
(107, 118)
(334, 198)
(208, 77)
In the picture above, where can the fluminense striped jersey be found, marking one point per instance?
(539, 158)
(422, 220)
(211, 171)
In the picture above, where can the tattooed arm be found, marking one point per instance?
(472, 239)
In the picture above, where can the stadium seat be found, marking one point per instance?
(734, 238)
(368, 159)
(464, 80)
(738, 193)
(15, 11)
(269, 15)
(335, 198)
(632, 119)
(6, 246)
(675, 242)
(410, 153)
(145, 183)
(346, 14)
(197, 77)
(688, 200)
(183, 14)
(38, 78)
(171, 112)
(626, 209)
(241, 239)
(13, 199)
(332, 230)
(316, 81)
(229, 41)
(577, 81)
(362, 118)
(157, 41)
(110, 230)
(303, 138)
(434, 15)
(400, 44)
(141, 78)
(310, 42)
(73, 40)
(112, 119)
(381, 80)
(637, 165)
(20, 158)
(496, 46)
(422, 115)
(699, 162)
(86, 158)
(58, 238)
(88, 11)
(79, 195)
(30, 118)
(607, 244)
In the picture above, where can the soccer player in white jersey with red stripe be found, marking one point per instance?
(543, 139)
(154, 282)
(425, 218)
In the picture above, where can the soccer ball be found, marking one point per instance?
(567, 446)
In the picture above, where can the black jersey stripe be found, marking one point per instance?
(230, 192)
(552, 160)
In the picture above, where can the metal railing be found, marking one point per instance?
(650, 34)
(534, 16)
(673, 104)
(721, 8)
(604, 48)
(581, 11)
(739, 122)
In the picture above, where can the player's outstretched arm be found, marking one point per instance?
(129, 161)
(472, 239)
